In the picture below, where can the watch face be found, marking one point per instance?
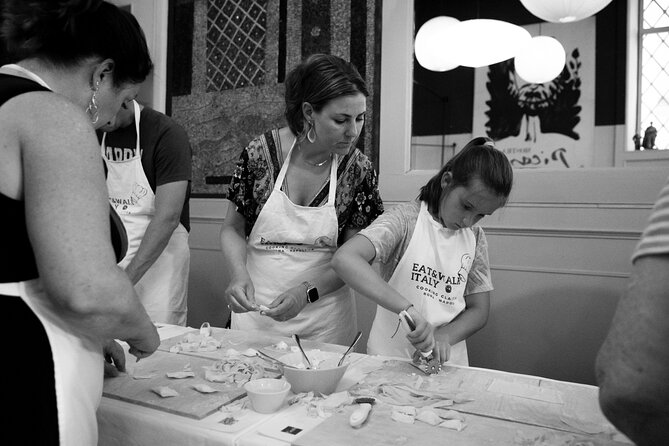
(312, 295)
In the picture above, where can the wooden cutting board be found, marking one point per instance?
(189, 403)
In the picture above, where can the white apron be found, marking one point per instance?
(432, 275)
(288, 244)
(77, 360)
(78, 367)
(163, 288)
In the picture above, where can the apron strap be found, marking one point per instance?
(284, 168)
(10, 289)
(26, 73)
(333, 180)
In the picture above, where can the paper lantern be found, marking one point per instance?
(541, 60)
(564, 11)
(435, 44)
(486, 41)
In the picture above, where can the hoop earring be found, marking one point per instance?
(92, 108)
(312, 128)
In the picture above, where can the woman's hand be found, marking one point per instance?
(240, 295)
(145, 346)
(288, 304)
(114, 358)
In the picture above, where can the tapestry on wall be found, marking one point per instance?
(549, 125)
(231, 58)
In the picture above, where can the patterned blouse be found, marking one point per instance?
(357, 199)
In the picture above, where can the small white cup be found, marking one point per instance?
(267, 394)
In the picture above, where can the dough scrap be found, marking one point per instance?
(165, 391)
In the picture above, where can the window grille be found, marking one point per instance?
(653, 94)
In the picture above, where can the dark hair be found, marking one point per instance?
(478, 159)
(65, 32)
(318, 80)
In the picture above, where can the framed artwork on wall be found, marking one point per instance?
(547, 125)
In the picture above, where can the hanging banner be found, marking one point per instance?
(549, 125)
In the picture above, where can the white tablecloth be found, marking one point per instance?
(126, 424)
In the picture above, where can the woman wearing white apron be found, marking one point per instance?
(63, 294)
(434, 262)
(288, 216)
(305, 238)
(163, 287)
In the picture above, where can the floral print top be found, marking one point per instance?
(357, 200)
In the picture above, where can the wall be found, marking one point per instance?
(228, 62)
(559, 267)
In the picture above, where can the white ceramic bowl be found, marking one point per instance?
(267, 394)
(324, 378)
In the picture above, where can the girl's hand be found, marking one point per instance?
(442, 351)
(287, 305)
(422, 338)
(240, 295)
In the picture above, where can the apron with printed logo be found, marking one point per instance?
(77, 359)
(163, 289)
(288, 244)
(432, 275)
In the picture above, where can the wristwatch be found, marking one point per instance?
(312, 292)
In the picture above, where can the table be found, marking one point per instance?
(498, 408)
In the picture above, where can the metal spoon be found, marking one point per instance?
(304, 355)
(355, 341)
(274, 360)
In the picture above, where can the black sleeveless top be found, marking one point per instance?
(17, 260)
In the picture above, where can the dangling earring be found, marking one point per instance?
(92, 108)
(312, 128)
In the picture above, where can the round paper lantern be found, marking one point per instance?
(486, 41)
(435, 44)
(564, 11)
(541, 60)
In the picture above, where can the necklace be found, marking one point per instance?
(322, 163)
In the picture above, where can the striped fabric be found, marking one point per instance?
(655, 238)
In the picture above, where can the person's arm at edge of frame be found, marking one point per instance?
(240, 293)
(352, 262)
(632, 366)
(169, 204)
(67, 210)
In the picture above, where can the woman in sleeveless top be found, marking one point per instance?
(66, 300)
